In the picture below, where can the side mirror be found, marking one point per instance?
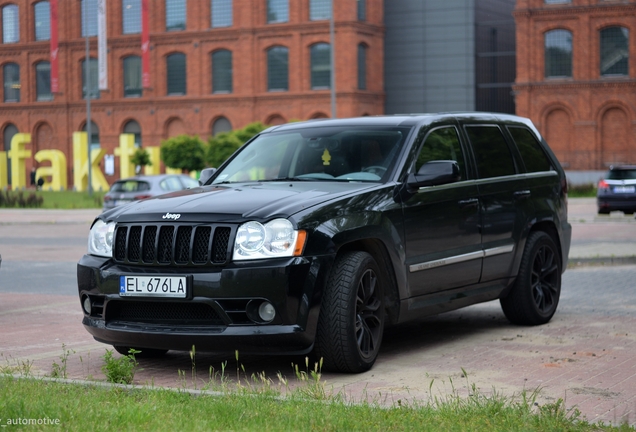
(205, 175)
(435, 173)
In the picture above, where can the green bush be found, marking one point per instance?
(221, 146)
(185, 152)
(141, 158)
(12, 199)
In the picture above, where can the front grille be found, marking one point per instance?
(162, 313)
(175, 245)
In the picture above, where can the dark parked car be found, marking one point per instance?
(141, 187)
(314, 236)
(617, 190)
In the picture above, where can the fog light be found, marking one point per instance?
(266, 311)
(87, 305)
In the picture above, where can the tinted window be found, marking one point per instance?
(441, 144)
(623, 174)
(130, 186)
(492, 153)
(533, 156)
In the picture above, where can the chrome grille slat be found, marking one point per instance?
(175, 244)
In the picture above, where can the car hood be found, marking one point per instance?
(234, 203)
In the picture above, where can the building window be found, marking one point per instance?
(132, 76)
(94, 135)
(89, 18)
(132, 127)
(362, 10)
(11, 74)
(131, 16)
(558, 54)
(221, 13)
(320, 66)
(319, 10)
(221, 125)
(43, 81)
(222, 71)
(277, 11)
(176, 74)
(10, 24)
(94, 84)
(614, 51)
(362, 67)
(277, 69)
(42, 12)
(175, 15)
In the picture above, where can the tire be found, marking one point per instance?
(145, 352)
(603, 211)
(534, 297)
(351, 322)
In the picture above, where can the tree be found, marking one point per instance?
(221, 146)
(185, 152)
(140, 158)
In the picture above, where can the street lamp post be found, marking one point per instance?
(87, 83)
(332, 37)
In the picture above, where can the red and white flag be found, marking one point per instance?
(55, 82)
(145, 45)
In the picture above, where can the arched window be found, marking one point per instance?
(131, 16)
(11, 76)
(89, 18)
(558, 54)
(132, 76)
(319, 10)
(42, 12)
(221, 125)
(43, 81)
(221, 13)
(277, 11)
(320, 66)
(362, 67)
(10, 24)
(132, 127)
(614, 51)
(94, 135)
(175, 15)
(176, 74)
(277, 69)
(94, 84)
(222, 71)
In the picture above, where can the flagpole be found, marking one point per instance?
(332, 37)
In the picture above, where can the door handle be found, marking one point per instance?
(468, 202)
(522, 194)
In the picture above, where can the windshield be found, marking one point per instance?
(321, 153)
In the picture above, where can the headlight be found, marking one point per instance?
(100, 239)
(277, 238)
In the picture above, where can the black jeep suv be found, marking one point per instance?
(314, 236)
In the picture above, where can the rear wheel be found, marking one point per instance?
(534, 296)
(352, 315)
(144, 352)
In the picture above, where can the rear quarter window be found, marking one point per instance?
(130, 186)
(491, 150)
(531, 152)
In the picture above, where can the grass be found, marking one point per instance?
(51, 199)
(88, 407)
(582, 191)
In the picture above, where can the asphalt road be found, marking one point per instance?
(585, 355)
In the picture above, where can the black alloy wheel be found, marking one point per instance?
(534, 297)
(351, 322)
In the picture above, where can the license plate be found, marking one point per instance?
(153, 286)
(624, 189)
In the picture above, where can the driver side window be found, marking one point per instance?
(441, 144)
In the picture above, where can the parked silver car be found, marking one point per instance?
(142, 187)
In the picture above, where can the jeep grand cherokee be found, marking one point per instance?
(313, 236)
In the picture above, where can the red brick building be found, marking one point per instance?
(215, 64)
(576, 70)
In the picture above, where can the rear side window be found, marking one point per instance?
(621, 174)
(170, 184)
(130, 186)
(492, 153)
(441, 144)
(533, 155)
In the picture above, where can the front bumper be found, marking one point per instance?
(215, 316)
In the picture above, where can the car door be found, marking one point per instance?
(443, 243)
(504, 196)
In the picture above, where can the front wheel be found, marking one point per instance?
(534, 296)
(352, 315)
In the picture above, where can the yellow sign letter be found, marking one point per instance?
(18, 155)
(57, 170)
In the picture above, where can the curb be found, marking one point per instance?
(600, 261)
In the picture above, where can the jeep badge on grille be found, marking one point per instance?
(173, 216)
